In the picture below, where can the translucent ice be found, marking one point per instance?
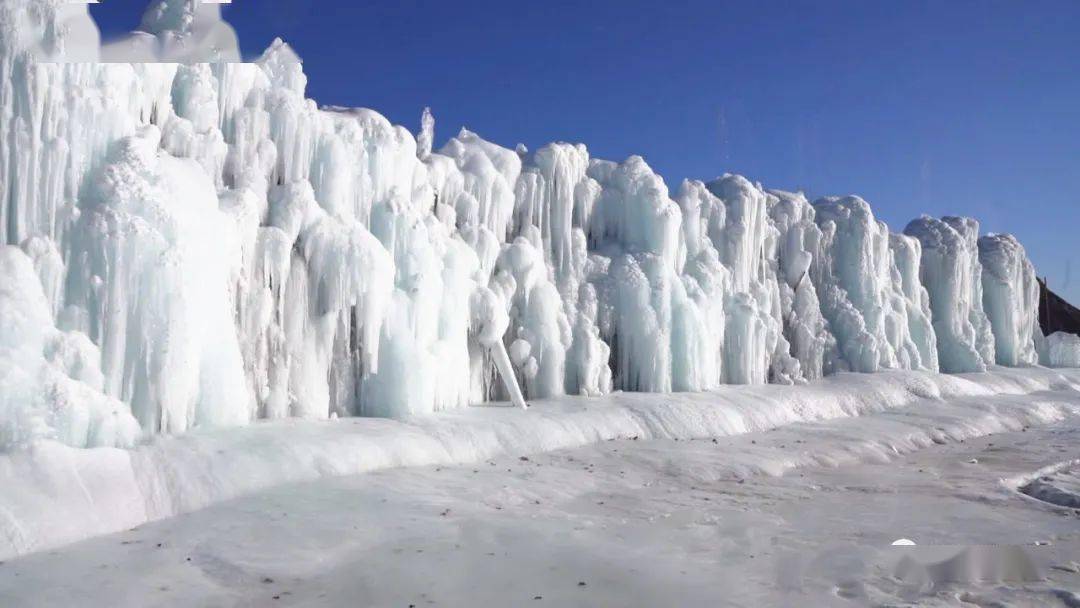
(866, 295)
(1010, 298)
(953, 276)
(218, 248)
(50, 380)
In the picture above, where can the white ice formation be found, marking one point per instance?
(209, 247)
(872, 298)
(51, 385)
(953, 275)
(1063, 350)
(1010, 299)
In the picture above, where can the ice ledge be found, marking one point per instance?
(66, 494)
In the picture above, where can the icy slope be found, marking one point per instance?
(236, 252)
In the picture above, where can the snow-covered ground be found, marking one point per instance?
(804, 514)
(66, 494)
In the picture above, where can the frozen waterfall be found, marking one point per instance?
(199, 244)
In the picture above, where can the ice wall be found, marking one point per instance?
(659, 334)
(755, 350)
(954, 277)
(51, 385)
(869, 290)
(234, 251)
(1010, 298)
(799, 243)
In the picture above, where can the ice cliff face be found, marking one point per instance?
(953, 275)
(192, 244)
(872, 298)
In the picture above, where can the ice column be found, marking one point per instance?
(1010, 298)
(952, 275)
(862, 289)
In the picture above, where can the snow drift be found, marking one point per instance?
(68, 494)
(210, 247)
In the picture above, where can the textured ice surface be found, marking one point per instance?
(1063, 350)
(236, 252)
(1010, 298)
(50, 380)
(953, 276)
(798, 245)
(869, 290)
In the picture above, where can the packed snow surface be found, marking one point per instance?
(215, 248)
(67, 494)
(808, 514)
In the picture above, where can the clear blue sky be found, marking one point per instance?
(958, 107)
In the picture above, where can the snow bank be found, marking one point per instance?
(68, 494)
(235, 252)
